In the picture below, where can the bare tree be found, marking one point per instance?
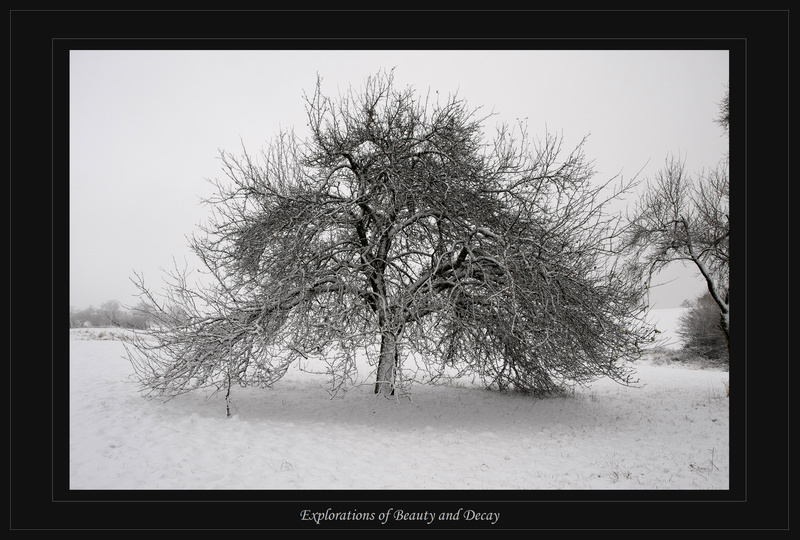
(724, 117)
(396, 230)
(686, 218)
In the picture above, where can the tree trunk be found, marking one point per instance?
(723, 324)
(387, 365)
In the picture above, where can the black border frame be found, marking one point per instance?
(38, 464)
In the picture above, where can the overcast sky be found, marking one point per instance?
(146, 128)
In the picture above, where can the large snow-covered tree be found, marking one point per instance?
(397, 230)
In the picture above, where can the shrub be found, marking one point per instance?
(700, 329)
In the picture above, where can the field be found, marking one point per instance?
(670, 432)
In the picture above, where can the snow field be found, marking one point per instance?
(669, 433)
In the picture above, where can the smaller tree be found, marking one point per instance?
(143, 314)
(110, 312)
(139, 316)
(686, 218)
(699, 328)
(724, 117)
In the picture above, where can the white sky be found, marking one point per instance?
(146, 128)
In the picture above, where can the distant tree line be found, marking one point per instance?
(110, 313)
(113, 313)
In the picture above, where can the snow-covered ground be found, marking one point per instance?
(669, 433)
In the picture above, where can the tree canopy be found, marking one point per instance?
(398, 230)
